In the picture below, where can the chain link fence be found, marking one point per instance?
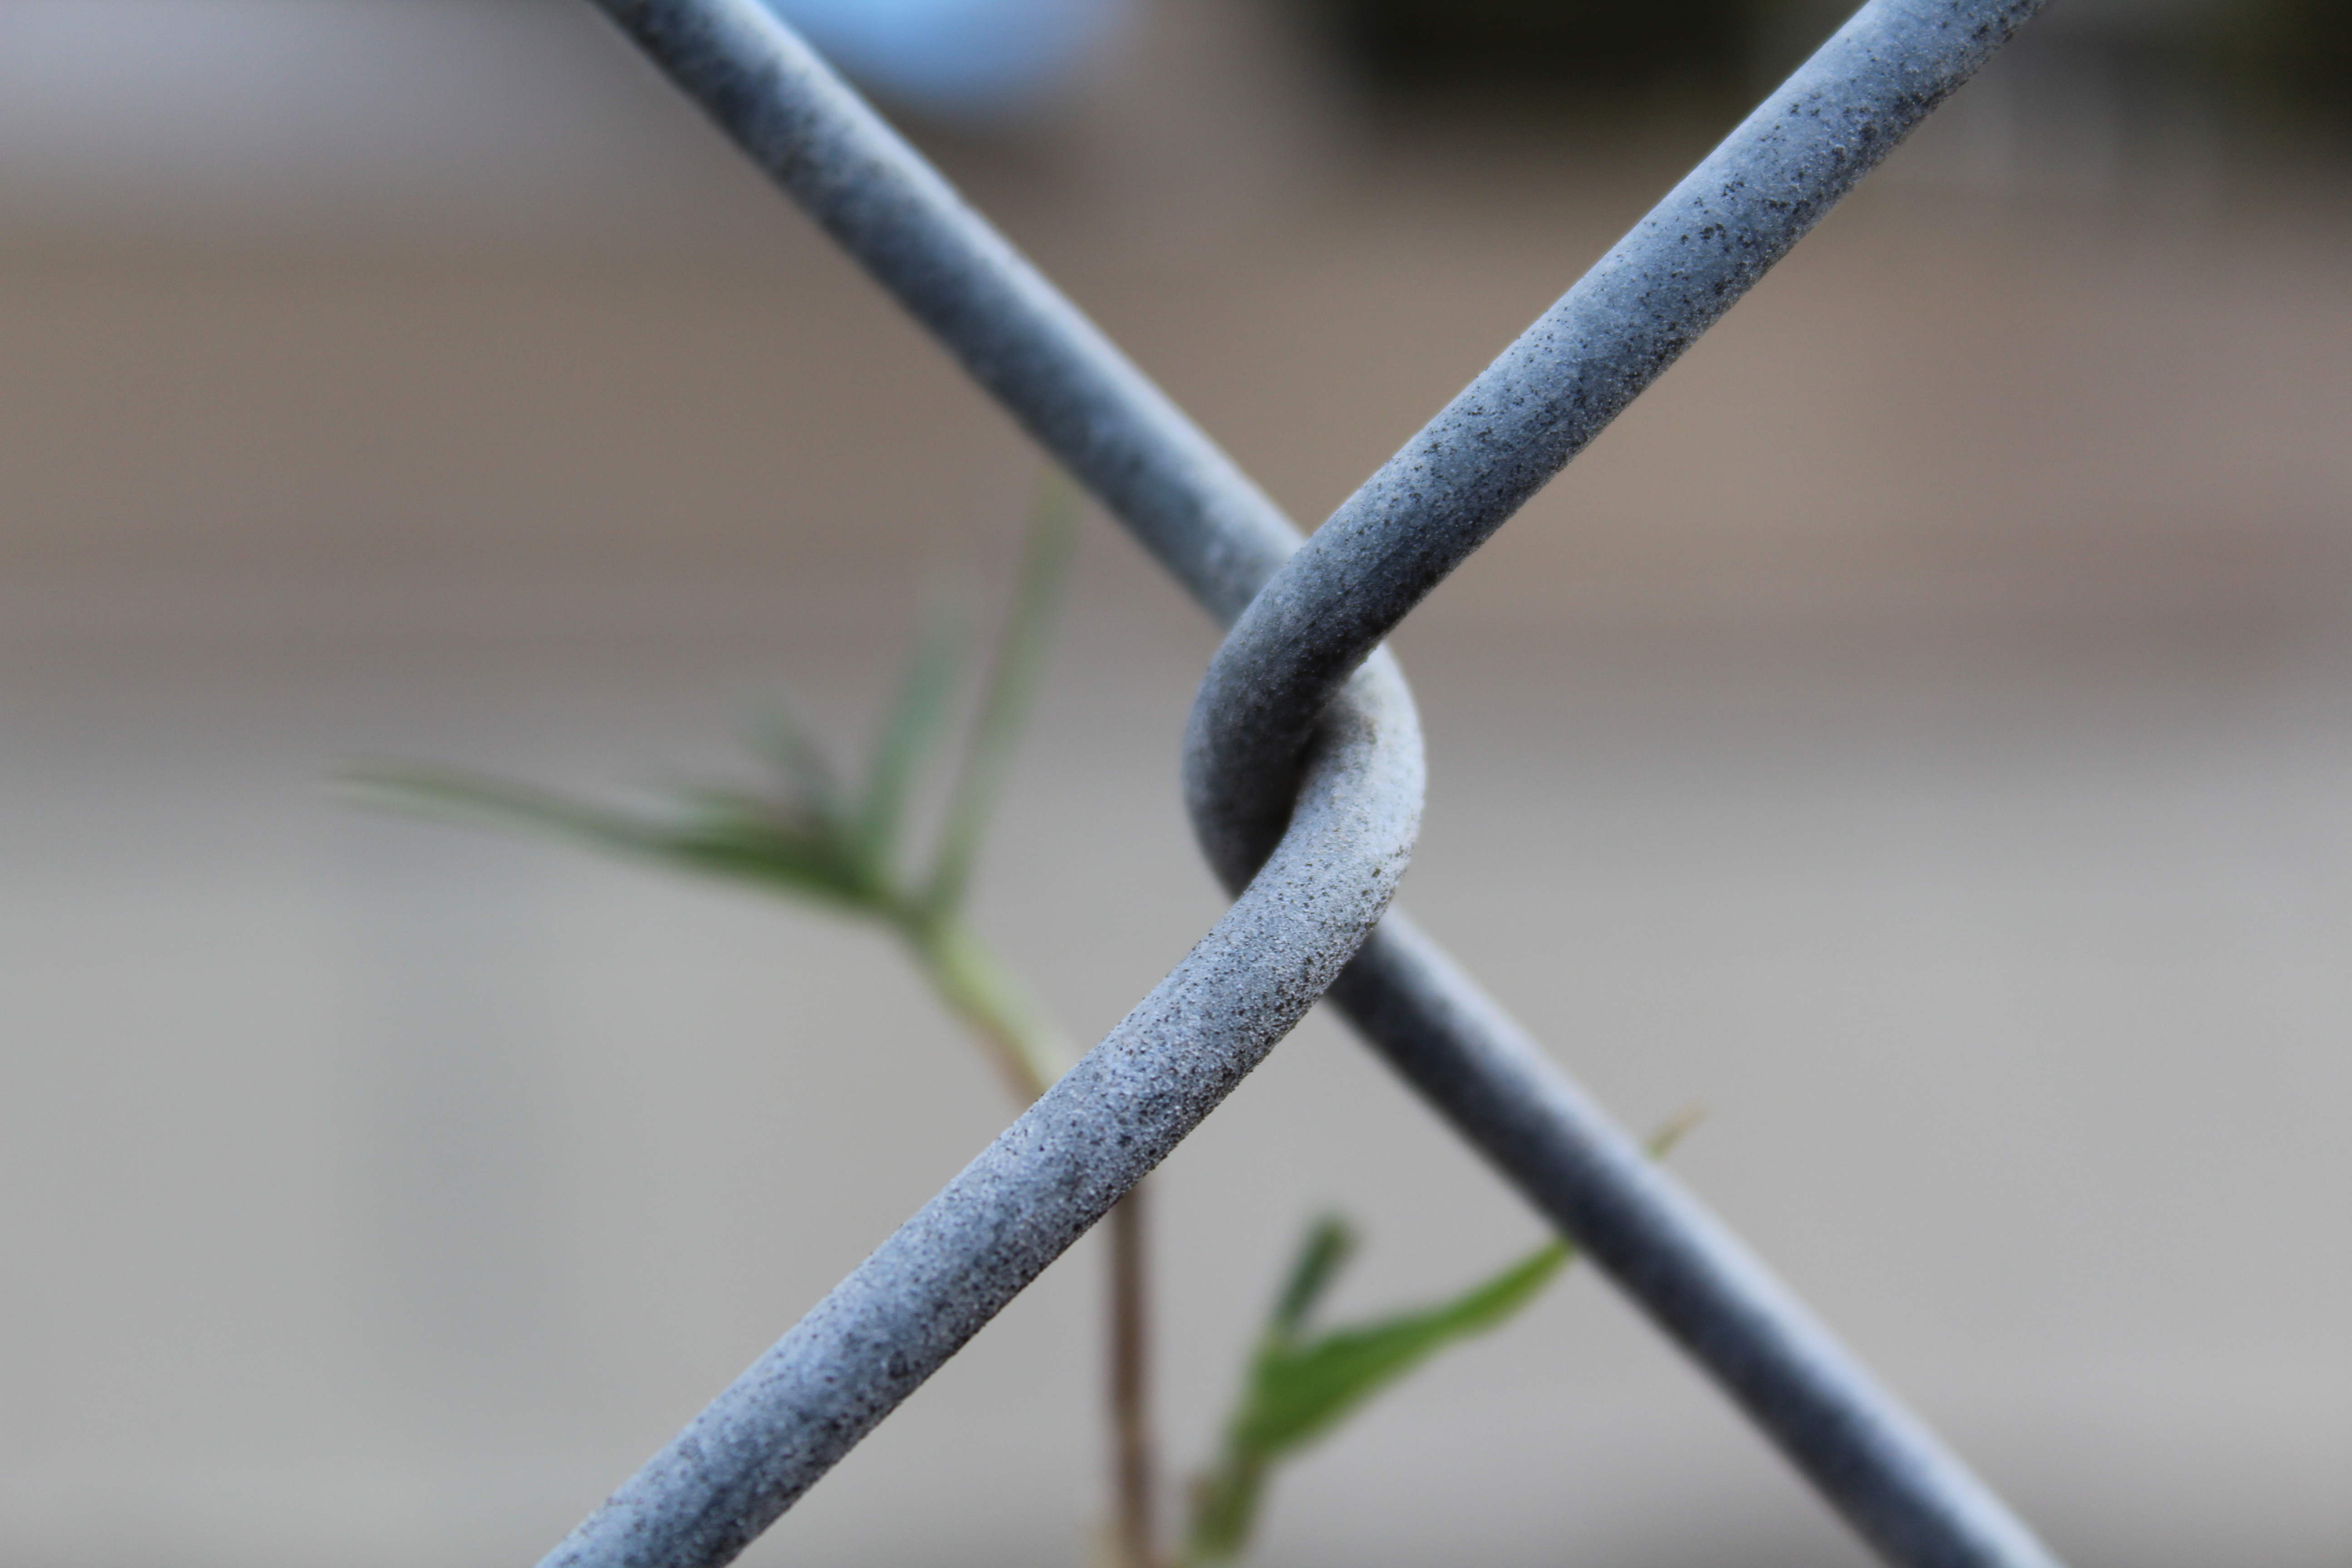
(1304, 774)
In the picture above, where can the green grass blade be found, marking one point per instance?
(802, 768)
(490, 802)
(736, 836)
(1671, 1131)
(1013, 681)
(1225, 1509)
(750, 839)
(1300, 1392)
(1299, 1387)
(1329, 1242)
(916, 724)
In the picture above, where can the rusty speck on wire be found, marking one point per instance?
(1303, 768)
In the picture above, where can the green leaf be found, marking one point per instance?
(752, 839)
(736, 836)
(1301, 1385)
(807, 777)
(1298, 1388)
(1331, 1240)
(1013, 678)
(1298, 1392)
(916, 724)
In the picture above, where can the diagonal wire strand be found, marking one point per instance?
(1333, 731)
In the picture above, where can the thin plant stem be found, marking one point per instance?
(1029, 1054)
(1013, 682)
(1136, 1533)
(899, 752)
(818, 842)
(988, 999)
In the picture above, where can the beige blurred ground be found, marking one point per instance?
(1919, 731)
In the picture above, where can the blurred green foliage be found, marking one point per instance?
(1301, 1382)
(811, 834)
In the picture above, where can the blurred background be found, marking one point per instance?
(1920, 733)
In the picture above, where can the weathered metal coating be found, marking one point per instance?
(1017, 335)
(932, 1285)
(1447, 491)
(1913, 1500)
(1055, 1171)
(1422, 514)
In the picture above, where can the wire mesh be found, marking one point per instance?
(1304, 771)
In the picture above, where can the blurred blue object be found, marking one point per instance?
(963, 59)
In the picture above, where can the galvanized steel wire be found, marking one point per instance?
(1303, 766)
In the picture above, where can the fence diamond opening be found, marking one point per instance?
(1303, 773)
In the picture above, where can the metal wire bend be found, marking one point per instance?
(1301, 707)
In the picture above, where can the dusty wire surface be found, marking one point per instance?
(1544, 398)
(1282, 719)
(1420, 515)
(1048, 1177)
